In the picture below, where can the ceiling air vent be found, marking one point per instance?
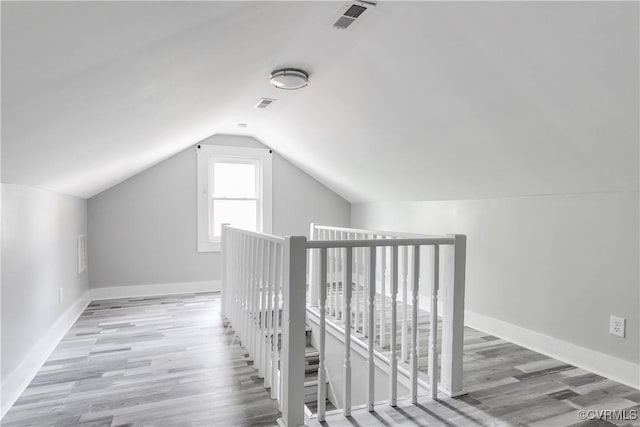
(351, 13)
(264, 103)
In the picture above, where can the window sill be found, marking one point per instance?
(209, 247)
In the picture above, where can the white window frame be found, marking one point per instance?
(206, 154)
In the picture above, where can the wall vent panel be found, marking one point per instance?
(82, 252)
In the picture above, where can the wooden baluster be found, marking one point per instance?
(243, 291)
(224, 247)
(245, 280)
(405, 321)
(240, 284)
(293, 328)
(252, 300)
(237, 282)
(340, 273)
(232, 287)
(371, 325)
(345, 267)
(324, 236)
(330, 306)
(275, 358)
(332, 277)
(253, 289)
(230, 261)
(281, 368)
(414, 324)
(249, 297)
(237, 263)
(365, 290)
(269, 317)
(433, 325)
(258, 309)
(250, 287)
(313, 269)
(383, 296)
(322, 372)
(353, 285)
(358, 282)
(347, 330)
(337, 278)
(265, 317)
(245, 299)
(393, 366)
(263, 307)
(321, 236)
(252, 303)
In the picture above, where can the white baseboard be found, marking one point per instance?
(18, 380)
(619, 370)
(110, 292)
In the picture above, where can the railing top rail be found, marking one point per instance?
(318, 244)
(264, 236)
(394, 234)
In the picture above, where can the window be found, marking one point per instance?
(234, 187)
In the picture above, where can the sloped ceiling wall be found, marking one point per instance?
(416, 101)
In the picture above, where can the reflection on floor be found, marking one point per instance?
(163, 361)
(169, 361)
(507, 385)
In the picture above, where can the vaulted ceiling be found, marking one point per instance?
(415, 101)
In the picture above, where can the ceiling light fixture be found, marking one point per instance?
(242, 125)
(289, 79)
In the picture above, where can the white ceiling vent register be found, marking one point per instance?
(352, 12)
(82, 253)
(264, 103)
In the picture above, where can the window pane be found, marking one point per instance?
(234, 180)
(238, 213)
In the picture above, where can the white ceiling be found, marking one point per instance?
(416, 101)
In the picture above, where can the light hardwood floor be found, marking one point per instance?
(165, 361)
(171, 361)
(507, 385)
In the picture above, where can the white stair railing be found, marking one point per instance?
(396, 292)
(378, 247)
(263, 288)
(265, 297)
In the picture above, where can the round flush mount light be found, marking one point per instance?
(289, 79)
(242, 125)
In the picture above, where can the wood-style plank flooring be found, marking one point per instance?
(163, 361)
(507, 385)
(170, 361)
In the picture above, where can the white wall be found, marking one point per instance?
(39, 256)
(143, 231)
(555, 265)
(334, 364)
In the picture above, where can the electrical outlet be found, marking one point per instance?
(59, 295)
(616, 326)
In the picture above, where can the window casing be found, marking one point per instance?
(234, 186)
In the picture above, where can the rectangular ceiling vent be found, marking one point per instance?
(264, 103)
(351, 13)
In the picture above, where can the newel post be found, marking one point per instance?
(293, 330)
(314, 264)
(453, 318)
